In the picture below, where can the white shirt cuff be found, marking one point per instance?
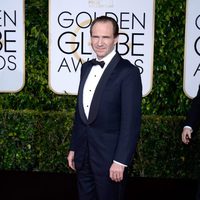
(120, 163)
(189, 127)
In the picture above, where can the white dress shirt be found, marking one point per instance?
(92, 81)
(91, 84)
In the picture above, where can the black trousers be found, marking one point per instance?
(92, 186)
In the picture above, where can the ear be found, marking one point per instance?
(116, 40)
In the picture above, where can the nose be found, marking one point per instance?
(100, 42)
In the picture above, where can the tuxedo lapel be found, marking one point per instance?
(100, 87)
(80, 96)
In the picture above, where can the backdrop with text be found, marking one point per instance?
(12, 46)
(192, 49)
(69, 39)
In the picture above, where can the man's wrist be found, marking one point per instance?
(119, 163)
(188, 127)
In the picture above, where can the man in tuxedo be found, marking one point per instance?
(107, 118)
(192, 124)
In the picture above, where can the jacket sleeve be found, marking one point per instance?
(193, 115)
(131, 96)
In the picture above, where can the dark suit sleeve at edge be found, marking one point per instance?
(193, 115)
(131, 96)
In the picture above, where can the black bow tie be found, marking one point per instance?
(95, 62)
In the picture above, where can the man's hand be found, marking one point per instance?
(186, 135)
(116, 172)
(70, 159)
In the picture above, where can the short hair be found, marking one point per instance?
(106, 19)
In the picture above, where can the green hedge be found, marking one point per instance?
(39, 141)
(34, 141)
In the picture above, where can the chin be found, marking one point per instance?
(101, 55)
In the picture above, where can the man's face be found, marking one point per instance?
(102, 39)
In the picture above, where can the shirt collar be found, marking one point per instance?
(108, 58)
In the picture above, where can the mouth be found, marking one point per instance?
(100, 49)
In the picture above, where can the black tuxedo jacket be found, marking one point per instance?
(113, 126)
(193, 116)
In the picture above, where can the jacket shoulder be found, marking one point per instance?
(127, 65)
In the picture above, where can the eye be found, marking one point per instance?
(94, 36)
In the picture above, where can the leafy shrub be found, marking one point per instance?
(39, 141)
